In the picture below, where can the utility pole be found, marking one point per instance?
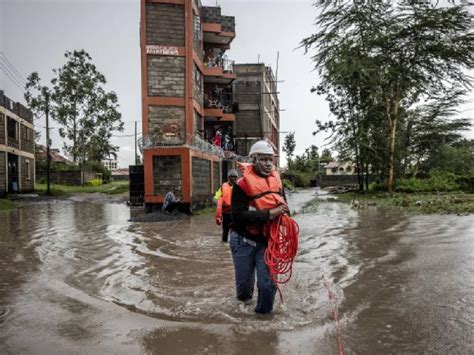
(48, 155)
(136, 156)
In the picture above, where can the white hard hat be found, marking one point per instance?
(261, 147)
(232, 172)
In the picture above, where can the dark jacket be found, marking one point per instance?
(241, 216)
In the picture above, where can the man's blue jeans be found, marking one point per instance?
(248, 258)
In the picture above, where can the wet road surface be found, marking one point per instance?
(78, 277)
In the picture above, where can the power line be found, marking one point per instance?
(11, 79)
(2, 54)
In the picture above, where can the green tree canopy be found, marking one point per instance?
(86, 112)
(378, 61)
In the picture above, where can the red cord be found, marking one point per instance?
(282, 248)
(332, 298)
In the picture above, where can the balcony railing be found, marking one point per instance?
(223, 101)
(226, 64)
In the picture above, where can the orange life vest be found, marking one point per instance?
(225, 201)
(226, 194)
(264, 193)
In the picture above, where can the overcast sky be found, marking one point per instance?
(34, 34)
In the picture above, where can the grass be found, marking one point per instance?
(112, 188)
(421, 203)
(6, 205)
(205, 211)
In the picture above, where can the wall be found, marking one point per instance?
(3, 182)
(338, 180)
(165, 76)
(165, 24)
(201, 177)
(27, 144)
(166, 173)
(216, 176)
(64, 177)
(27, 184)
(166, 119)
(2, 128)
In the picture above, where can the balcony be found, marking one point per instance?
(217, 28)
(220, 135)
(219, 106)
(218, 70)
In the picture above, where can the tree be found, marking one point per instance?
(326, 155)
(289, 146)
(87, 113)
(38, 98)
(380, 60)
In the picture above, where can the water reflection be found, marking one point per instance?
(78, 276)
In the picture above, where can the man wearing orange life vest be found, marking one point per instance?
(223, 210)
(257, 198)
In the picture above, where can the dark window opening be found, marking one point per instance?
(11, 128)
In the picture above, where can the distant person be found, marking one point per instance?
(171, 201)
(217, 140)
(257, 198)
(223, 211)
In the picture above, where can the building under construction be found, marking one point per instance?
(258, 116)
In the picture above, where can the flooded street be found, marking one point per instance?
(78, 277)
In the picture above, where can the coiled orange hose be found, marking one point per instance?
(282, 247)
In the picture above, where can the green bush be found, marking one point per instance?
(94, 182)
(298, 178)
(98, 167)
(287, 184)
(439, 181)
(466, 183)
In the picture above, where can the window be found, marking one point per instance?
(12, 127)
(27, 133)
(197, 28)
(28, 169)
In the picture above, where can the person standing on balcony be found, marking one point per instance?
(223, 211)
(217, 140)
(257, 198)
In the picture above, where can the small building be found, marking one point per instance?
(110, 164)
(55, 154)
(120, 174)
(340, 168)
(17, 156)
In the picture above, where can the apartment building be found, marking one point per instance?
(258, 116)
(186, 98)
(17, 158)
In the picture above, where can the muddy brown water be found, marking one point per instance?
(77, 277)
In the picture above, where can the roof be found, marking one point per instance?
(56, 157)
(120, 172)
(332, 164)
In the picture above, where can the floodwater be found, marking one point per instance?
(77, 277)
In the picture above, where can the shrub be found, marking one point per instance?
(466, 183)
(287, 184)
(438, 181)
(94, 182)
(298, 178)
(98, 167)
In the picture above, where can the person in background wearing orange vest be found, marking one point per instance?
(257, 198)
(223, 210)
